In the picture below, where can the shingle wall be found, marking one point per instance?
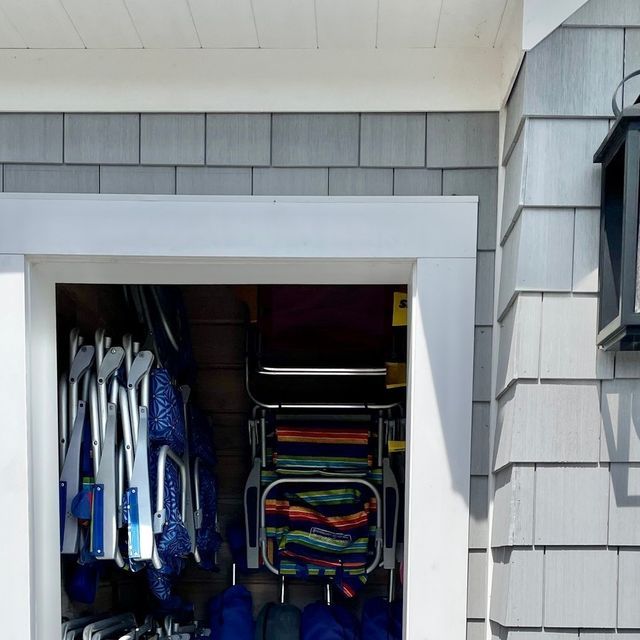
(566, 518)
(406, 154)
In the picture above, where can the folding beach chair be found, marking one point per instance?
(321, 499)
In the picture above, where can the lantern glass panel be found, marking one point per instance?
(611, 242)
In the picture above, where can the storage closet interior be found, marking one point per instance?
(213, 435)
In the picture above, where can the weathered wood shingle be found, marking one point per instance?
(513, 507)
(480, 438)
(290, 182)
(482, 364)
(519, 346)
(624, 504)
(176, 138)
(213, 180)
(478, 512)
(549, 422)
(629, 589)
(462, 140)
(315, 139)
(585, 250)
(568, 349)
(50, 178)
(484, 184)
(102, 138)
(31, 137)
(560, 83)
(417, 182)
(238, 139)
(484, 287)
(551, 165)
(392, 139)
(117, 179)
(516, 595)
(360, 182)
(536, 254)
(580, 588)
(571, 505)
(620, 439)
(477, 584)
(606, 13)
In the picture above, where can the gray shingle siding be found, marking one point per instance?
(31, 137)
(315, 140)
(102, 138)
(392, 140)
(566, 450)
(172, 139)
(48, 178)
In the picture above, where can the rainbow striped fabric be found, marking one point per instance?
(324, 531)
(332, 448)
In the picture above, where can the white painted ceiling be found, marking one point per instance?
(250, 24)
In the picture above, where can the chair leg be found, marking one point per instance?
(391, 508)
(251, 511)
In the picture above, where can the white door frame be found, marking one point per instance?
(428, 243)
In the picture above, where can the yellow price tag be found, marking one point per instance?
(396, 375)
(400, 306)
(397, 446)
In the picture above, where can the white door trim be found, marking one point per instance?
(429, 243)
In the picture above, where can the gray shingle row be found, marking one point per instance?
(565, 588)
(551, 421)
(439, 140)
(564, 504)
(268, 181)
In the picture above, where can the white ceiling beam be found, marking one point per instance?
(196, 80)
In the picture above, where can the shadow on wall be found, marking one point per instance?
(621, 438)
(445, 351)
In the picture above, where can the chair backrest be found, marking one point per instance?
(322, 447)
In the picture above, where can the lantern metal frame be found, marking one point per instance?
(619, 300)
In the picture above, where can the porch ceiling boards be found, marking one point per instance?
(250, 24)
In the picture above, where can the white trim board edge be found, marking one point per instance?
(440, 358)
(256, 227)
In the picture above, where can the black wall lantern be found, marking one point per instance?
(619, 275)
